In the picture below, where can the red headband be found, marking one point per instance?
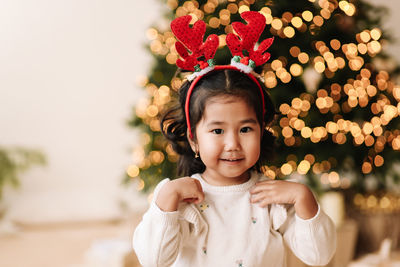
(191, 38)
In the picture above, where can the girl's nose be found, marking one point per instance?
(232, 142)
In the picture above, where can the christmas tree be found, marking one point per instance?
(338, 122)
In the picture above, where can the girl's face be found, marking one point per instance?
(228, 140)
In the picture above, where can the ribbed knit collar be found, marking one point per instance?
(254, 176)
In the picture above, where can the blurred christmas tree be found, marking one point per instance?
(328, 75)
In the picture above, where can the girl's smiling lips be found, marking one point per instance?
(233, 160)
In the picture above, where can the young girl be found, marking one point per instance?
(224, 211)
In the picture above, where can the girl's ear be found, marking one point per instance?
(192, 142)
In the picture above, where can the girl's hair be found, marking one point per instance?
(216, 83)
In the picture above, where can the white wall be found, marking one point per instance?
(68, 73)
(67, 86)
(391, 24)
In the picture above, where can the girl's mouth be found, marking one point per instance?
(231, 160)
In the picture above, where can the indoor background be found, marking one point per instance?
(70, 74)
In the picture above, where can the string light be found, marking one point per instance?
(307, 15)
(133, 171)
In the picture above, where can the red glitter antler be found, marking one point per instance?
(192, 39)
(249, 35)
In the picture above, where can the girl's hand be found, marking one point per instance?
(285, 192)
(185, 189)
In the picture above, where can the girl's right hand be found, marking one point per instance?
(185, 189)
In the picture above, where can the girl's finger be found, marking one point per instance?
(190, 200)
(260, 188)
(257, 197)
(265, 202)
(200, 197)
(200, 192)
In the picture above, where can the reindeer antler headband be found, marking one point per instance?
(201, 59)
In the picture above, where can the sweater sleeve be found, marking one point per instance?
(313, 240)
(158, 236)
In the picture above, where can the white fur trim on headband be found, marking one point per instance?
(242, 67)
(192, 76)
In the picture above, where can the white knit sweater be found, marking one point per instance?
(227, 230)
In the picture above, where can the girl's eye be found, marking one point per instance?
(245, 129)
(217, 131)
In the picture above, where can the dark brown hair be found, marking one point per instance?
(216, 83)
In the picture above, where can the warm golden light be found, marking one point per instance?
(172, 4)
(304, 167)
(294, 51)
(396, 143)
(243, 8)
(339, 138)
(318, 20)
(154, 125)
(366, 167)
(286, 77)
(214, 22)
(350, 10)
(284, 109)
(376, 34)
(296, 70)
(305, 106)
(156, 157)
(276, 24)
(332, 127)
(290, 141)
(299, 124)
(365, 36)
(140, 185)
(133, 171)
(396, 93)
(325, 13)
(378, 161)
(287, 132)
(362, 48)
(289, 32)
(276, 64)
(152, 111)
(151, 34)
(297, 22)
(368, 128)
(233, 8)
(320, 102)
(268, 18)
(286, 169)
(303, 58)
(374, 47)
(359, 139)
(171, 58)
(369, 140)
(333, 177)
(319, 67)
(384, 203)
(222, 40)
(372, 201)
(340, 62)
(310, 158)
(344, 5)
(306, 132)
(284, 122)
(307, 15)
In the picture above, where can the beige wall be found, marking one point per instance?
(68, 74)
(391, 24)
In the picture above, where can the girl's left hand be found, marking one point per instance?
(285, 192)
